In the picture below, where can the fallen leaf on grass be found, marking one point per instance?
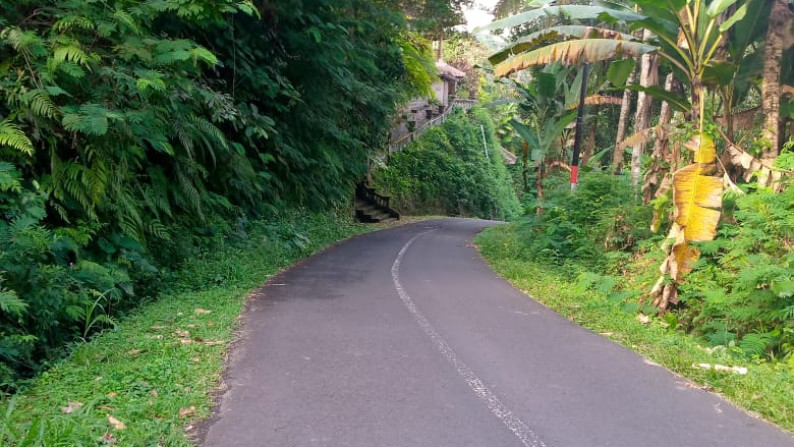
(213, 342)
(71, 407)
(109, 438)
(195, 359)
(200, 311)
(106, 408)
(134, 351)
(181, 333)
(698, 387)
(157, 328)
(117, 424)
(186, 341)
(113, 394)
(156, 337)
(185, 412)
(644, 319)
(741, 370)
(154, 393)
(713, 349)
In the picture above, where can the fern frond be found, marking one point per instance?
(204, 55)
(54, 90)
(97, 179)
(40, 103)
(158, 230)
(184, 136)
(71, 53)
(69, 68)
(10, 303)
(9, 177)
(27, 42)
(124, 18)
(755, 344)
(68, 22)
(90, 119)
(167, 52)
(156, 195)
(11, 136)
(189, 193)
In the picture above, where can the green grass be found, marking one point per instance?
(766, 390)
(156, 371)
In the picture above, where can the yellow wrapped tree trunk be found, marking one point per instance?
(697, 194)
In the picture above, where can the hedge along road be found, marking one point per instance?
(406, 338)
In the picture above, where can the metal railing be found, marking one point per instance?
(465, 104)
(400, 143)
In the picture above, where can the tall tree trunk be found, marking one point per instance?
(524, 166)
(666, 114)
(539, 186)
(590, 144)
(657, 179)
(625, 108)
(770, 85)
(649, 75)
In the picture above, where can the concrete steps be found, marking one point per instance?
(370, 211)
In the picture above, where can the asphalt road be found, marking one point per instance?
(406, 338)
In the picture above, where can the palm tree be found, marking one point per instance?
(546, 103)
(649, 74)
(625, 108)
(770, 85)
(687, 35)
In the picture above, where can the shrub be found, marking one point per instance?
(49, 292)
(446, 171)
(742, 292)
(603, 215)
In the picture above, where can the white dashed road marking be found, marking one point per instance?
(477, 386)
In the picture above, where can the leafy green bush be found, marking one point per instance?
(49, 293)
(742, 293)
(142, 372)
(602, 216)
(446, 171)
(137, 135)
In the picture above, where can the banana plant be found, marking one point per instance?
(543, 46)
(688, 34)
(545, 103)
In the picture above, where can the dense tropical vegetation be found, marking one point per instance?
(718, 181)
(173, 152)
(134, 133)
(455, 170)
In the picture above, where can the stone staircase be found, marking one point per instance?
(371, 207)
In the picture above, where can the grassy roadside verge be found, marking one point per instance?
(767, 389)
(146, 382)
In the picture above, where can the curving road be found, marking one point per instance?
(405, 338)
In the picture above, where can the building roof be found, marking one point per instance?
(448, 71)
